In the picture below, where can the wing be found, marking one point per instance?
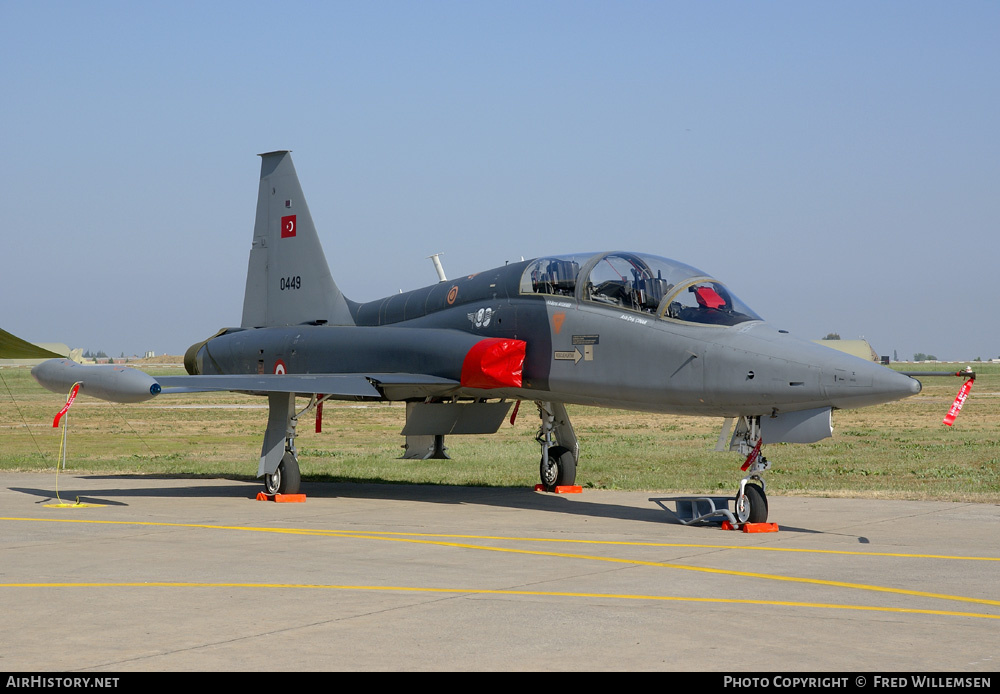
(337, 386)
(489, 363)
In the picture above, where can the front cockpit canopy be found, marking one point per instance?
(637, 282)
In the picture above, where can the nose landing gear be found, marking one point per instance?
(751, 500)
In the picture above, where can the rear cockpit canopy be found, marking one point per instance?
(637, 282)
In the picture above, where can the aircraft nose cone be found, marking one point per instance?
(853, 382)
(907, 386)
(890, 385)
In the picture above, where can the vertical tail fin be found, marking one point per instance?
(288, 279)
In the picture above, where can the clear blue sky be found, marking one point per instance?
(835, 163)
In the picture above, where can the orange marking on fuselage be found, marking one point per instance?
(557, 321)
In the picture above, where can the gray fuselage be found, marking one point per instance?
(577, 351)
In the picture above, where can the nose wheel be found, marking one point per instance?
(751, 503)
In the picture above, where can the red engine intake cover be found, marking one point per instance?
(494, 363)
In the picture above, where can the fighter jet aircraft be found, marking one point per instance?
(616, 329)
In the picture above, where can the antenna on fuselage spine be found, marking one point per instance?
(436, 259)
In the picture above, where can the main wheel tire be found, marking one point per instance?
(751, 505)
(560, 470)
(286, 479)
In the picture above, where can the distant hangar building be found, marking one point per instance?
(859, 348)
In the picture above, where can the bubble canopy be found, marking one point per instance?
(637, 282)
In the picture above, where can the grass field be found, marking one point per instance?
(900, 450)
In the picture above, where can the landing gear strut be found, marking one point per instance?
(279, 463)
(751, 500)
(558, 464)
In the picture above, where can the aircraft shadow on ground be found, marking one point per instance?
(109, 494)
(503, 497)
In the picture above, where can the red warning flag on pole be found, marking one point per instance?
(69, 403)
(956, 406)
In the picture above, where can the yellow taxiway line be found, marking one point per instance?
(422, 538)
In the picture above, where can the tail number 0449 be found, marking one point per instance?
(291, 282)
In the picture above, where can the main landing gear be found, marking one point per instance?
(559, 459)
(279, 463)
